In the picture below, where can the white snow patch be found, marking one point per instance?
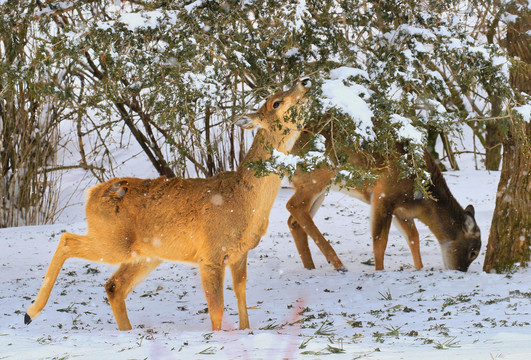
(292, 52)
(509, 18)
(347, 97)
(524, 111)
(146, 19)
(192, 6)
(438, 106)
(300, 14)
(454, 43)
(407, 130)
(345, 72)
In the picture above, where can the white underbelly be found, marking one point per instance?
(350, 191)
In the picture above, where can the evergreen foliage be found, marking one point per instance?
(173, 76)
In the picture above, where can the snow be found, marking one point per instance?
(437, 105)
(454, 43)
(406, 130)
(289, 161)
(344, 72)
(338, 93)
(141, 20)
(56, 7)
(503, 63)
(299, 15)
(192, 6)
(399, 313)
(202, 82)
(442, 31)
(286, 164)
(481, 50)
(144, 19)
(240, 56)
(292, 52)
(509, 18)
(413, 30)
(419, 47)
(524, 111)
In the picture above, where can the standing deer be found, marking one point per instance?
(213, 222)
(390, 196)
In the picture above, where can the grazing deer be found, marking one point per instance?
(390, 196)
(213, 222)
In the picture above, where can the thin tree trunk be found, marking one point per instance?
(449, 152)
(493, 136)
(493, 145)
(494, 133)
(211, 166)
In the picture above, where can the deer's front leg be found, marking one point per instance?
(409, 229)
(212, 277)
(239, 283)
(381, 222)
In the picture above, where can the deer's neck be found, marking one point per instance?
(265, 140)
(441, 213)
(261, 150)
(441, 221)
(444, 214)
(440, 190)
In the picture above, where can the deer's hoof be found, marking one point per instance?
(342, 270)
(27, 319)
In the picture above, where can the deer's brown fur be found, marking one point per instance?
(212, 222)
(390, 196)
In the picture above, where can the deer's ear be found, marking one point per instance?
(249, 121)
(470, 210)
(469, 225)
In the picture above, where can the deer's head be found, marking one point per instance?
(272, 115)
(460, 251)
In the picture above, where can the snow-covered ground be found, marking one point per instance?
(295, 313)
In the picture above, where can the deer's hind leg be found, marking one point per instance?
(300, 237)
(70, 245)
(381, 222)
(301, 224)
(122, 282)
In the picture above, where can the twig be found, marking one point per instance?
(68, 167)
(486, 119)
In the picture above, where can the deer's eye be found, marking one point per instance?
(276, 104)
